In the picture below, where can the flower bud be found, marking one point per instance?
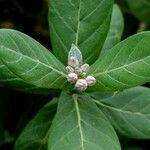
(81, 85)
(69, 69)
(78, 71)
(85, 67)
(73, 61)
(90, 80)
(72, 77)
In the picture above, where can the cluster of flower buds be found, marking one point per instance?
(77, 74)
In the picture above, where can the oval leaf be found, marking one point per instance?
(36, 133)
(126, 65)
(80, 125)
(84, 23)
(129, 111)
(27, 65)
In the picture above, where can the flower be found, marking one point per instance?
(73, 61)
(72, 77)
(85, 67)
(69, 69)
(90, 80)
(81, 85)
(77, 72)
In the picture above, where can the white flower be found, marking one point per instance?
(85, 67)
(81, 85)
(72, 77)
(90, 80)
(73, 61)
(78, 71)
(69, 69)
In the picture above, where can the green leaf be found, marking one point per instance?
(35, 135)
(80, 125)
(82, 22)
(74, 51)
(27, 65)
(115, 30)
(141, 9)
(126, 65)
(128, 111)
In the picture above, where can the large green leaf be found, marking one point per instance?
(25, 64)
(126, 65)
(36, 133)
(80, 125)
(82, 22)
(128, 111)
(141, 9)
(115, 30)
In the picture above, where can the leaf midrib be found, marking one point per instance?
(75, 98)
(37, 61)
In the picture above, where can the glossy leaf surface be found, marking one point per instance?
(82, 22)
(128, 111)
(25, 64)
(80, 125)
(125, 65)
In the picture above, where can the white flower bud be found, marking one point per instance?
(81, 85)
(69, 69)
(85, 67)
(78, 71)
(73, 61)
(72, 77)
(90, 80)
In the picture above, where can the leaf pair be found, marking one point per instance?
(80, 125)
(28, 66)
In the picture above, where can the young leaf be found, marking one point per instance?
(74, 51)
(27, 65)
(115, 30)
(82, 22)
(141, 9)
(36, 133)
(129, 112)
(126, 65)
(80, 125)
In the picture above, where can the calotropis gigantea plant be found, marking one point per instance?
(102, 98)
